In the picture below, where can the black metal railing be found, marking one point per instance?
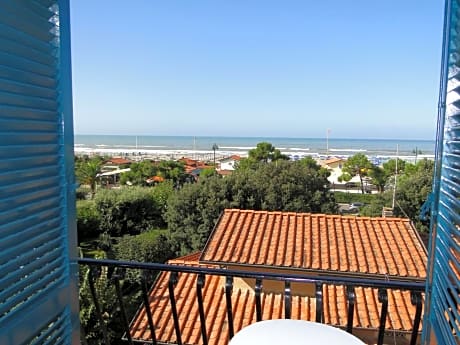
(416, 290)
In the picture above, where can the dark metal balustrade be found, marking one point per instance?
(416, 291)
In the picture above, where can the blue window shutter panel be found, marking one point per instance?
(442, 319)
(38, 249)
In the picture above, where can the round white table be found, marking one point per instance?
(286, 331)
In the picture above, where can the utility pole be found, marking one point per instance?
(396, 177)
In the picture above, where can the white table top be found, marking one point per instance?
(286, 331)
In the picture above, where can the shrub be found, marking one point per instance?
(129, 210)
(88, 220)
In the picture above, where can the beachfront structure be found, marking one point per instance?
(301, 244)
(38, 256)
(229, 163)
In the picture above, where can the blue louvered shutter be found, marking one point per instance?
(442, 319)
(38, 274)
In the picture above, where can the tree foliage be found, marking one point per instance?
(88, 220)
(378, 178)
(299, 186)
(264, 152)
(150, 246)
(87, 171)
(107, 299)
(358, 165)
(412, 190)
(139, 173)
(142, 171)
(130, 210)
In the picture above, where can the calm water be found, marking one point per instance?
(294, 147)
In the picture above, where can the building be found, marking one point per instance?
(298, 244)
(229, 163)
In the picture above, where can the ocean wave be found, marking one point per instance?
(237, 147)
(348, 150)
(299, 149)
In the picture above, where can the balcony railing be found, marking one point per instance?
(117, 269)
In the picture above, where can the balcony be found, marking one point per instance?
(193, 304)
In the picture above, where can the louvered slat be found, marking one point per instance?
(38, 293)
(443, 275)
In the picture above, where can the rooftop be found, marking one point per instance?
(367, 308)
(331, 244)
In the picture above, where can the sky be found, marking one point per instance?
(259, 68)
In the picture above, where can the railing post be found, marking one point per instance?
(257, 293)
(172, 282)
(116, 280)
(287, 299)
(228, 298)
(351, 296)
(416, 299)
(92, 274)
(199, 294)
(319, 302)
(147, 308)
(383, 298)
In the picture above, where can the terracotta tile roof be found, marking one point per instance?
(367, 309)
(155, 178)
(386, 247)
(118, 161)
(333, 160)
(231, 158)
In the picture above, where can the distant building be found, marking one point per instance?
(229, 163)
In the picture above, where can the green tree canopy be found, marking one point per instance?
(358, 165)
(390, 167)
(284, 185)
(378, 178)
(139, 173)
(129, 210)
(266, 152)
(412, 190)
(87, 171)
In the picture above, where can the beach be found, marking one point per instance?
(200, 148)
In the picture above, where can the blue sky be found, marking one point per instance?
(284, 68)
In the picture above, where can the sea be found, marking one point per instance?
(201, 147)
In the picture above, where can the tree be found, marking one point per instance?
(174, 171)
(378, 178)
(285, 185)
(107, 298)
(88, 172)
(413, 188)
(358, 165)
(139, 173)
(417, 152)
(207, 172)
(150, 246)
(266, 152)
(193, 211)
(128, 210)
(88, 220)
(214, 148)
(389, 167)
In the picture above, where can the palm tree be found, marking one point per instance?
(417, 152)
(88, 172)
(214, 148)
